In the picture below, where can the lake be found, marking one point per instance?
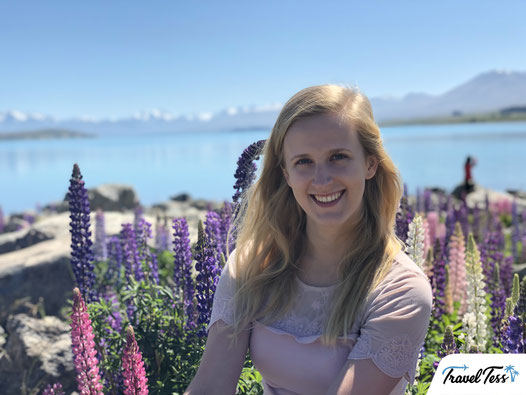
(203, 164)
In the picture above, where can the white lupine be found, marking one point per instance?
(415, 241)
(475, 321)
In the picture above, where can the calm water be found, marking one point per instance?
(160, 166)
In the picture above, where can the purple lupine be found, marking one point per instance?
(475, 225)
(83, 345)
(428, 202)
(506, 274)
(227, 234)
(183, 269)
(115, 260)
(134, 374)
(419, 203)
(143, 232)
(132, 262)
(246, 169)
(208, 269)
(515, 231)
(115, 318)
(513, 341)
(138, 214)
(213, 233)
(523, 243)
(162, 236)
(404, 216)
(100, 248)
(498, 304)
(81, 244)
(448, 346)
(2, 220)
(490, 255)
(438, 280)
(55, 389)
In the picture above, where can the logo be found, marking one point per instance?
(480, 374)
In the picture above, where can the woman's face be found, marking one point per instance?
(326, 168)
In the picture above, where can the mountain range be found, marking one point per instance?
(489, 91)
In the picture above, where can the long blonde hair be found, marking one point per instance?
(271, 225)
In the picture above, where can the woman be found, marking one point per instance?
(318, 288)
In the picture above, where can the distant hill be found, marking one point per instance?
(488, 92)
(44, 134)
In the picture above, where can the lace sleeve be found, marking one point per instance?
(395, 325)
(222, 307)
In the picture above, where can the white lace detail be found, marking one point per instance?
(393, 356)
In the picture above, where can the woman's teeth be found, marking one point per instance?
(328, 198)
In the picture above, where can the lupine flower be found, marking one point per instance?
(515, 290)
(404, 216)
(81, 244)
(520, 308)
(162, 236)
(498, 304)
(114, 319)
(227, 234)
(246, 169)
(100, 248)
(415, 241)
(56, 389)
(84, 354)
(439, 280)
(208, 269)
(523, 243)
(515, 231)
(490, 255)
(448, 346)
(183, 269)
(115, 260)
(137, 216)
(132, 261)
(143, 232)
(135, 381)
(475, 321)
(428, 203)
(213, 232)
(432, 224)
(475, 225)
(457, 268)
(506, 274)
(513, 341)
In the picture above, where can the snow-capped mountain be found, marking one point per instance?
(490, 91)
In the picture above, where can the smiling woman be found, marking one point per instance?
(318, 288)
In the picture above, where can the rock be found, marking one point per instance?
(38, 351)
(28, 237)
(113, 197)
(478, 196)
(182, 197)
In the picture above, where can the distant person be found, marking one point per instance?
(319, 288)
(469, 185)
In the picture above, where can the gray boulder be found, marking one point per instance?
(113, 197)
(38, 352)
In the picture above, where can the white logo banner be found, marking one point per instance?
(480, 374)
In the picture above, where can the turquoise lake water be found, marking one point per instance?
(203, 164)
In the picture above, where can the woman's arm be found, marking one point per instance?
(221, 364)
(361, 376)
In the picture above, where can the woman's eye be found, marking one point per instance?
(339, 156)
(303, 161)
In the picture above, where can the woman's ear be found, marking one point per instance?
(372, 165)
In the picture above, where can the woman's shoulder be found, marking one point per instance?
(405, 278)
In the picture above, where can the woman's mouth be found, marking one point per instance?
(327, 200)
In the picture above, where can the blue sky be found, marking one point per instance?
(116, 58)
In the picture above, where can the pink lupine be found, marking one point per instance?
(84, 353)
(135, 381)
(457, 267)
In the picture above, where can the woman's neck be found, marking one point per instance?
(324, 250)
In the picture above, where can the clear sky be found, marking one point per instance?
(115, 58)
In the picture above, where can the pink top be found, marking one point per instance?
(390, 331)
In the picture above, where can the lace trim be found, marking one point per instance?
(395, 356)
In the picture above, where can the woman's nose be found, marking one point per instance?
(322, 175)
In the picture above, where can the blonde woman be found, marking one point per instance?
(318, 288)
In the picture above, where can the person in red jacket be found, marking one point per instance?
(469, 185)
